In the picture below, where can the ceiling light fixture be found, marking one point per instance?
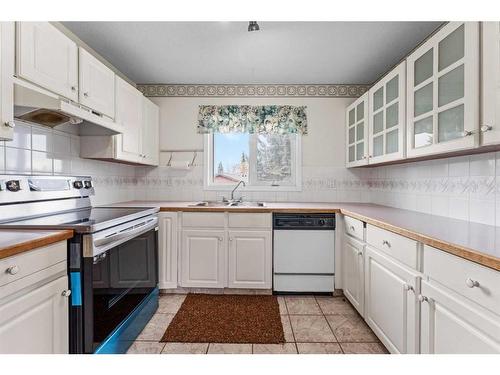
(253, 26)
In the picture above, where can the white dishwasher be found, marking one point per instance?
(304, 253)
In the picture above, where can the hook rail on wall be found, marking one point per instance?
(181, 164)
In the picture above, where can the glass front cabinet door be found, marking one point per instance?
(443, 91)
(387, 117)
(357, 132)
(490, 121)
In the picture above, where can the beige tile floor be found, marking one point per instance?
(312, 325)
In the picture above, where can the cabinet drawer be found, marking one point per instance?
(454, 273)
(203, 219)
(32, 261)
(400, 248)
(354, 227)
(245, 220)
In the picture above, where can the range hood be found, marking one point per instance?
(36, 105)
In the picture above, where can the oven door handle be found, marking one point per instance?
(129, 233)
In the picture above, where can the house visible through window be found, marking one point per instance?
(262, 161)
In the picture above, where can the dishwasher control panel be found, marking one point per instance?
(304, 221)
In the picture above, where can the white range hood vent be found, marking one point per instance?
(38, 106)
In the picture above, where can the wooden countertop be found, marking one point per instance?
(13, 241)
(479, 243)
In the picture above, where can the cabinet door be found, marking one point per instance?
(203, 259)
(451, 324)
(97, 85)
(36, 322)
(250, 259)
(357, 132)
(167, 234)
(443, 91)
(353, 273)
(490, 121)
(387, 114)
(150, 132)
(48, 58)
(6, 85)
(391, 302)
(129, 116)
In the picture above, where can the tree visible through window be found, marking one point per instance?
(257, 159)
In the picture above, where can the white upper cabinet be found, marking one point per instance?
(150, 132)
(97, 85)
(129, 115)
(443, 91)
(490, 121)
(48, 58)
(387, 117)
(357, 132)
(6, 85)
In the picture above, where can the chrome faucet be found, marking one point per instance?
(236, 187)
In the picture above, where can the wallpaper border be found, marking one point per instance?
(327, 90)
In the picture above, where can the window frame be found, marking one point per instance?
(208, 156)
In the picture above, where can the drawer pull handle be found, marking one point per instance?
(472, 283)
(12, 270)
(422, 298)
(66, 293)
(385, 242)
(407, 287)
(352, 228)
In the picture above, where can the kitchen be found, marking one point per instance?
(167, 206)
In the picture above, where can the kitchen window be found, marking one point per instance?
(265, 162)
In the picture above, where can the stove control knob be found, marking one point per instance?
(77, 184)
(321, 222)
(13, 185)
(87, 184)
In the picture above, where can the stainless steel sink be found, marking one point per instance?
(227, 204)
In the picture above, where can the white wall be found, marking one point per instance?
(324, 176)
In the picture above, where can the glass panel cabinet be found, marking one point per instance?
(357, 132)
(442, 84)
(386, 102)
(490, 121)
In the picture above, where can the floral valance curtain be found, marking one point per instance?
(270, 119)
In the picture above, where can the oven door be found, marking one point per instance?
(123, 279)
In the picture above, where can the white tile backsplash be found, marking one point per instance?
(39, 150)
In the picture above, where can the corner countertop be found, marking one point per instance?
(13, 241)
(476, 242)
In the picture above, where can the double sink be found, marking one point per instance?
(227, 204)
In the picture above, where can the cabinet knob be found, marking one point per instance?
(472, 283)
(12, 270)
(220, 239)
(422, 298)
(352, 228)
(467, 133)
(73, 88)
(10, 124)
(407, 287)
(66, 293)
(86, 94)
(486, 128)
(386, 243)
(360, 253)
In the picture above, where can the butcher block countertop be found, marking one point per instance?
(479, 243)
(13, 241)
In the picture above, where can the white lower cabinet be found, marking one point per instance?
(167, 254)
(36, 322)
(249, 259)
(353, 273)
(452, 324)
(203, 258)
(391, 308)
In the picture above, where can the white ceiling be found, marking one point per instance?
(226, 53)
